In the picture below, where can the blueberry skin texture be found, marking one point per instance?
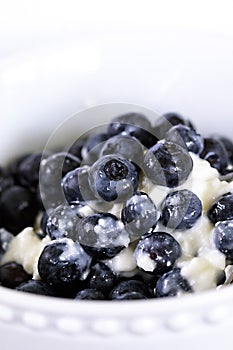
(167, 164)
(6, 179)
(36, 287)
(102, 278)
(180, 210)
(113, 178)
(215, 153)
(221, 209)
(27, 171)
(139, 215)
(12, 275)
(91, 142)
(228, 144)
(133, 124)
(223, 237)
(17, 209)
(62, 222)
(52, 170)
(125, 146)
(128, 290)
(186, 137)
(75, 185)
(63, 263)
(90, 294)
(102, 235)
(161, 248)
(167, 121)
(172, 284)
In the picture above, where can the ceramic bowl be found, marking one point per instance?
(189, 72)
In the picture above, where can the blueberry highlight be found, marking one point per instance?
(180, 210)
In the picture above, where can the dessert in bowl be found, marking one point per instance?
(132, 322)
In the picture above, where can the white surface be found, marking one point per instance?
(165, 69)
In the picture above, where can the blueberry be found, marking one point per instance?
(62, 221)
(130, 289)
(157, 252)
(63, 263)
(36, 287)
(215, 153)
(91, 142)
(172, 283)
(90, 294)
(6, 179)
(113, 178)
(76, 186)
(13, 274)
(102, 235)
(139, 215)
(167, 121)
(186, 137)
(27, 171)
(228, 144)
(76, 148)
(125, 146)
(221, 209)
(180, 210)
(133, 124)
(17, 208)
(223, 237)
(167, 164)
(101, 277)
(52, 170)
(43, 224)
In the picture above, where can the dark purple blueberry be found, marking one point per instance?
(228, 146)
(63, 263)
(125, 146)
(101, 277)
(36, 287)
(167, 164)
(52, 170)
(172, 284)
(215, 153)
(89, 294)
(91, 142)
(128, 290)
(12, 275)
(221, 209)
(223, 237)
(76, 186)
(157, 252)
(113, 178)
(17, 208)
(27, 171)
(167, 121)
(180, 210)
(76, 148)
(186, 137)
(63, 221)
(102, 235)
(43, 224)
(6, 179)
(139, 215)
(133, 124)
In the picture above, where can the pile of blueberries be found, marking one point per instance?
(78, 192)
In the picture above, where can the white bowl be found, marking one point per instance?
(184, 71)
